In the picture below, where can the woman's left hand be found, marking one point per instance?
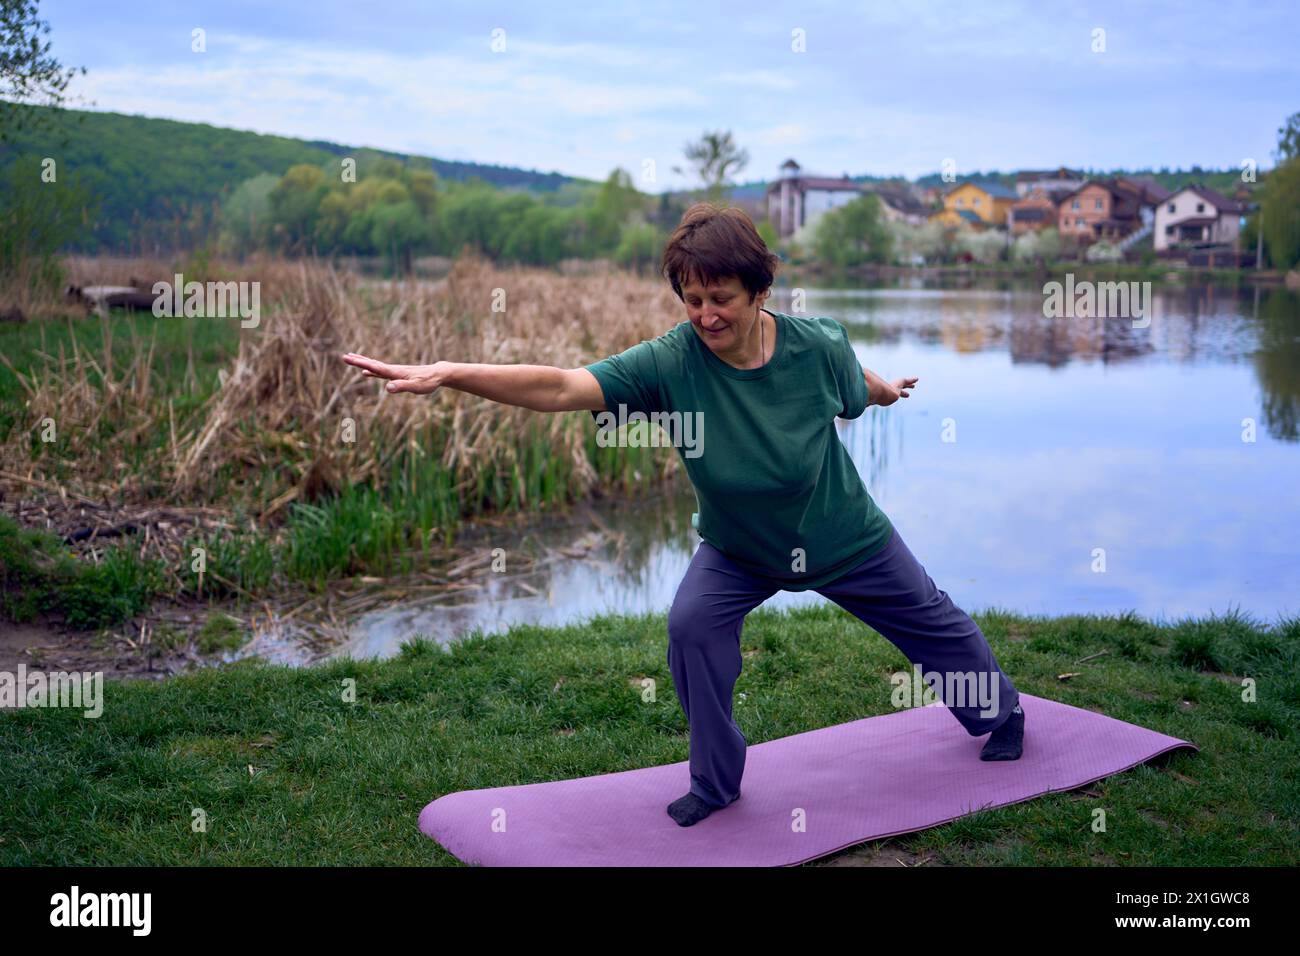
(886, 393)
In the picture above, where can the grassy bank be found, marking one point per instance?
(287, 772)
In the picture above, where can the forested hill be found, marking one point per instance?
(163, 180)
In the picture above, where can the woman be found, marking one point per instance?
(781, 504)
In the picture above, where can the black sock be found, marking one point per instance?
(690, 809)
(1005, 743)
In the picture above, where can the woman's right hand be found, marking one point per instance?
(420, 379)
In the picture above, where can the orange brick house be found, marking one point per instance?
(1099, 209)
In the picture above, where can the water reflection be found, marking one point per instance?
(1074, 438)
(1277, 359)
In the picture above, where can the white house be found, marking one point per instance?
(795, 201)
(1197, 214)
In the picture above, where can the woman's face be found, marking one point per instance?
(721, 313)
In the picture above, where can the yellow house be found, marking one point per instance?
(977, 204)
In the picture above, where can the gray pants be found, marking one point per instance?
(891, 592)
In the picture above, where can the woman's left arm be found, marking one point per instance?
(880, 392)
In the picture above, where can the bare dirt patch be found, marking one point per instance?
(887, 852)
(47, 645)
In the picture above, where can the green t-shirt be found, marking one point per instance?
(760, 446)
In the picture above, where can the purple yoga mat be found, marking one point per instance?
(867, 779)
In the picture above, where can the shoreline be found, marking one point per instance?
(1164, 275)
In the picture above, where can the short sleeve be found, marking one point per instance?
(630, 378)
(850, 377)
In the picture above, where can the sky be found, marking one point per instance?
(863, 88)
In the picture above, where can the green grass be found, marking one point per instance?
(38, 575)
(341, 783)
(220, 633)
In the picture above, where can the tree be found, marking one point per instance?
(36, 220)
(423, 187)
(984, 246)
(539, 237)
(1040, 246)
(640, 247)
(1278, 217)
(1103, 251)
(295, 205)
(246, 215)
(1279, 214)
(1288, 139)
(398, 229)
(28, 74)
(37, 216)
(714, 158)
(617, 200)
(853, 234)
(926, 241)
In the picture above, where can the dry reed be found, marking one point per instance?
(277, 420)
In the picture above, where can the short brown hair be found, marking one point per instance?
(713, 243)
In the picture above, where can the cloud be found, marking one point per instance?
(881, 89)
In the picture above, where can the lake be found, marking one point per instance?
(1031, 449)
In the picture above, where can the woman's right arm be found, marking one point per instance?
(542, 388)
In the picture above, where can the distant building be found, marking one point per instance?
(795, 201)
(1060, 179)
(1149, 192)
(1197, 214)
(1119, 210)
(1036, 211)
(899, 204)
(931, 196)
(978, 204)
